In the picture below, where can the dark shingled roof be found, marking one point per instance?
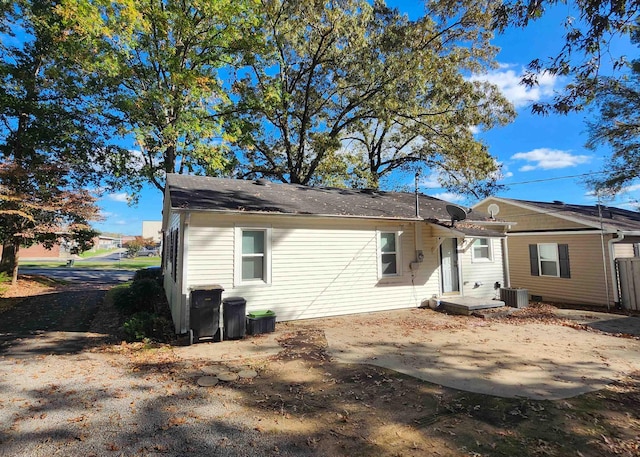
(612, 218)
(206, 193)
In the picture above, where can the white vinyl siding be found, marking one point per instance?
(319, 266)
(172, 273)
(479, 278)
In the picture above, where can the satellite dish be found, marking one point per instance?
(493, 210)
(456, 213)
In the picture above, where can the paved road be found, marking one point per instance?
(82, 275)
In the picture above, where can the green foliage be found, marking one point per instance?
(144, 325)
(591, 26)
(154, 273)
(142, 295)
(145, 304)
(618, 126)
(49, 129)
(350, 88)
(158, 63)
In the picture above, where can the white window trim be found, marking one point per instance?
(238, 281)
(555, 245)
(398, 253)
(475, 259)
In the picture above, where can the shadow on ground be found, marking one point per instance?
(52, 323)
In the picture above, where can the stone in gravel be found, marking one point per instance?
(228, 376)
(213, 370)
(248, 374)
(207, 381)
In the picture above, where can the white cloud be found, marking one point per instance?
(430, 181)
(549, 159)
(122, 197)
(632, 188)
(450, 197)
(508, 81)
(474, 129)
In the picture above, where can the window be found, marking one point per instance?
(389, 256)
(253, 255)
(549, 259)
(481, 250)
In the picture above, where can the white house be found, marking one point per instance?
(306, 252)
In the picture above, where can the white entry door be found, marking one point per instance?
(449, 265)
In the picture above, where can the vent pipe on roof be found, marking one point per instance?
(417, 196)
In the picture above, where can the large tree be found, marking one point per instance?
(591, 26)
(618, 126)
(353, 88)
(47, 132)
(161, 64)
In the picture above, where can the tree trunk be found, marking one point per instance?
(9, 261)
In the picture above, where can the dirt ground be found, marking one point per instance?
(135, 399)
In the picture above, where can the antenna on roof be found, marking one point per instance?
(417, 196)
(456, 213)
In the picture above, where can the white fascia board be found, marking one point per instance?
(335, 216)
(541, 211)
(561, 232)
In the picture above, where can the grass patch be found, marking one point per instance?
(5, 282)
(88, 254)
(124, 264)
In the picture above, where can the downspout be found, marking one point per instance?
(612, 266)
(505, 262)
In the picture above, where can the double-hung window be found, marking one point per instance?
(481, 250)
(389, 254)
(253, 252)
(549, 259)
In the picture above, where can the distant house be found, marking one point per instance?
(105, 242)
(153, 230)
(564, 252)
(307, 252)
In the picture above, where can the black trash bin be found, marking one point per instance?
(233, 316)
(204, 315)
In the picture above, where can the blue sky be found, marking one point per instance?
(546, 149)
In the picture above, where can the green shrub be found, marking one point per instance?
(144, 325)
(149, 273)
(145, 303)
(142, 295)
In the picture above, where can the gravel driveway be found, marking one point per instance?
(91, 400)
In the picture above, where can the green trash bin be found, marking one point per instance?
(261, 322)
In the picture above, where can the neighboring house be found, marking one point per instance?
(563, 252)
(306, 252)
(105, 242)
(39, 251)
(152, 229)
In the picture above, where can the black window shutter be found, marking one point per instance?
(533, 257)
(563, 257)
